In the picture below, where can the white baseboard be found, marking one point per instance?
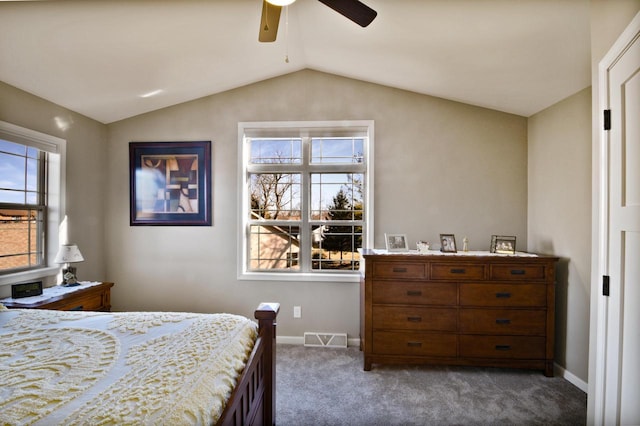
(571, 378)
(290, 340)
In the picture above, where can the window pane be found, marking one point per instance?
(14, 197)
(12, 172)
(13, 148)
(336, 247)
(19, 238)
(32, 174)
(337, 150)
(275, 151)
(18, 176)
(336, 196)
(274, 196)
(32, 198)
(32, 152)
(274, 247)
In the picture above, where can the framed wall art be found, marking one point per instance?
(170, 183)
(396, 242)
(448, 243)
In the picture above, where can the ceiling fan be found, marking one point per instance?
(355, 10)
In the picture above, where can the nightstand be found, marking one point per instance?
(87, 296)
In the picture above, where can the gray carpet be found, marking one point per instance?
(327, 386)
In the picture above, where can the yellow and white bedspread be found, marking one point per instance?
(79, 368)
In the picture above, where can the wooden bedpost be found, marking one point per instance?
(266, 315)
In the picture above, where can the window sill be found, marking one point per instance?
(35, 274)
(276, 276)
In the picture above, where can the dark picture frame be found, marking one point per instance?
(448, 243)
(170, 183)
(503, 244)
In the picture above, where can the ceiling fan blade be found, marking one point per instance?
(355, 10)
(269, 22)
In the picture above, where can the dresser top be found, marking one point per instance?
(467, 255)
(53, 294)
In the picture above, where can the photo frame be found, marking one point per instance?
(448, 243)
(170, 183)
(396, 242)
(504, 244)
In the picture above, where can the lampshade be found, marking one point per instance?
(280, 2)
(68, 253)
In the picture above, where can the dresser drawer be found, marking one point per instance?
(90, 302)
(523, 272)
(398, 270)
(414, 293)
(420, 344)
(503, 321)
(503, 295)
(414, 318)
(457, 271)
(516, 347)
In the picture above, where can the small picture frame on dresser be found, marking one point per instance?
(396, 242)
(503, 244)
(448, 243)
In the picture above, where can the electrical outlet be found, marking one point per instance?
(297, 312)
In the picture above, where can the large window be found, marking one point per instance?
(30, 200)
(305, 198)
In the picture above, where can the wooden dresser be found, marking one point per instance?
(455, 309)
(81, 298)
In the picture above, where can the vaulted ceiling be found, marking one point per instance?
(99, 58)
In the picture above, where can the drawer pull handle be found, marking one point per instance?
(77, 308)
(503, 347)
(503, 321)
(458, 270)
(399, 269)
(414, 344)
(518, 272)
(504, 295)
(414, 319)
(414, 293)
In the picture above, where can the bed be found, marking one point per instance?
(79, 367)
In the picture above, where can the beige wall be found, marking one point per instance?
(560, 217)
(86, 170)
(441, 167)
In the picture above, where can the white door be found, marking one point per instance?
(618, 393)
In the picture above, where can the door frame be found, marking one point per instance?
(601, 309)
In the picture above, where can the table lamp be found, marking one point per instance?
(69, 253)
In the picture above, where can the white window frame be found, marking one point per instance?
(300, 128)
(56, 148)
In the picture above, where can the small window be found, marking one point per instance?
(306, 200)
(22, 206)
(30, 166)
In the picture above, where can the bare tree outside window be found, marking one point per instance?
(273, 195)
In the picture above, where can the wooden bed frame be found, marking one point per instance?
(253, 401)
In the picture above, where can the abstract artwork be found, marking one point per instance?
(170, 183)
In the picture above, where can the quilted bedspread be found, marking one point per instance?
(79, 368)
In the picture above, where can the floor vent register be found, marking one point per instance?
(325, 340)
